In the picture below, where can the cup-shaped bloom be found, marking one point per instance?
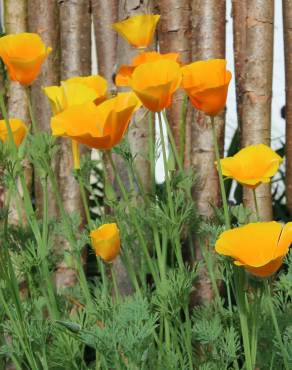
(155, 83)
(125, 72)
(18, 128)
(206, 83)
(76, 91)
(138, 30)
(252, 165)
(106, 241)
(258, 247)
(97, 126)
(23, 55)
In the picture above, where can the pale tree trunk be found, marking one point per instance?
(208, 42)
(75, 46)
(104, 15)
(175, 36)
(239, 46)
(256, 83)
(43, 19)
(287, 18)
(15, 15)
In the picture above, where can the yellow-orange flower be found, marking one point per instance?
(125, 72)
(258, 247)
(23, 55)
(106, 241)
(206, 83)
(155, 83)
(76, 91)
(252, 165)
(138, 30)
(18, 128)
(100, 127)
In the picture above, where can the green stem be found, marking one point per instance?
(134, 218)
(83, 197)
(172, 141)
(166, 173)
(152, 151)
(242, 310)
(256, 204)
(176, 241)
(221, 181)
(71, 236)
(182, 129)
(30, 110)
(31, 217)
(276, 326)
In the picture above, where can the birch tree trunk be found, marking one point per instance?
(287, 18)
(15, 15)
(75, 46)
(208, 42)
(239, 46)
(43, 18)
(257, 88)
(175, 36)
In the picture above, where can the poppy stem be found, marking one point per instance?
(31, 114)
(134, 218)
(256, 204)
(182, 129)
(152, 151)
(275, 323)
(221, 181)
(172, 141)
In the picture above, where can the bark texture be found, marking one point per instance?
(43, 18)
(174, 35)
(239, 46)
(287, 18)
(255, 76)
(105, 13)
(15, 13)
(75, 46)
(208, 42)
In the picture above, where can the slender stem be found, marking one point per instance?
(221, 181)
(30, 109)
(71, 236)
(134, 218)
(83, 197)
(276, 326)
(256, 204)
(242, 310)
(31, 217)
(166, 173)
(176, 240)
(172, 141)
(182, 128)
(152, 151)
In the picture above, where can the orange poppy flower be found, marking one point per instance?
(206, 83)
(138, 30)
(100, 127)
(125, 72)
(106, 241)
(258, 247)
(75, 91)
(252, 165)
(18, 128)
(23, 55)
(155, 83)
